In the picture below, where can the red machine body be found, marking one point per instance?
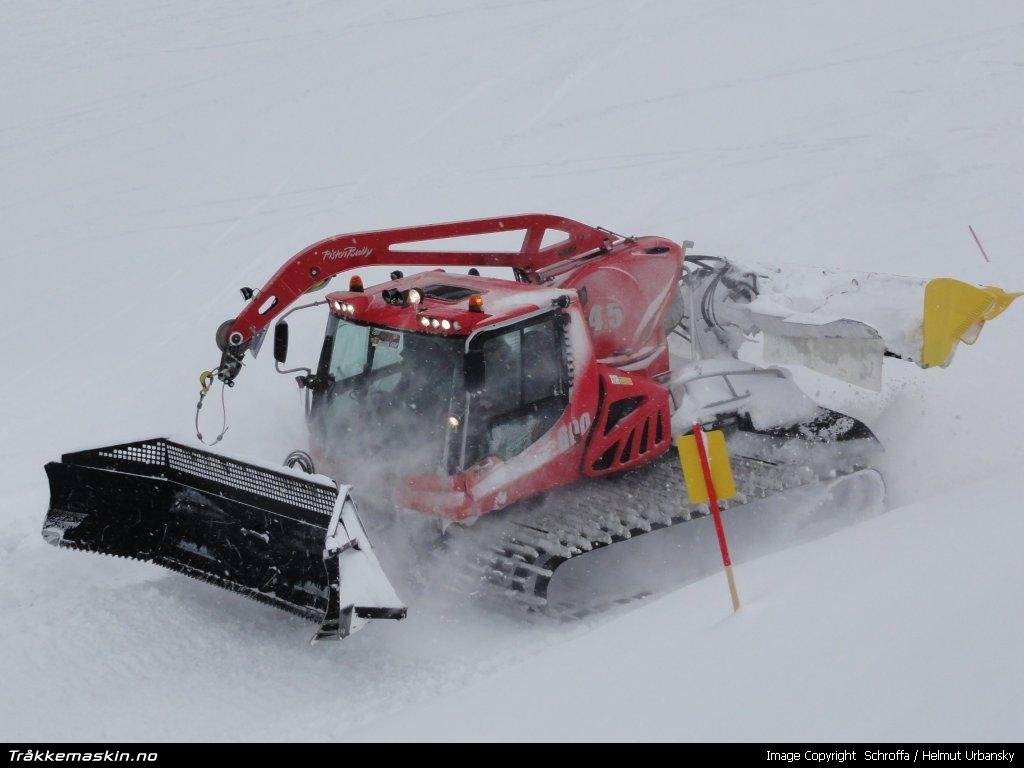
(611, 295)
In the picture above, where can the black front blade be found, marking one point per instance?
(242, 527)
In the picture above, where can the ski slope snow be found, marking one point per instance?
(154, 157)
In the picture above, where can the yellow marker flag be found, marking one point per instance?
(718, 457)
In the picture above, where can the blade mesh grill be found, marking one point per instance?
(210, 466)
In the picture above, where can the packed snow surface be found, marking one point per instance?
(155, 157)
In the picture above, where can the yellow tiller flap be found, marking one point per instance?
(955, 311)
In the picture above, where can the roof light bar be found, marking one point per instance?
(342, 307)
(437, 324)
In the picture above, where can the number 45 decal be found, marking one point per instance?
(569, 435)
(605, 316)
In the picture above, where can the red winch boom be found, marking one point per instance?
(314, 265)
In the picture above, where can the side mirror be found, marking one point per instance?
(281, 342)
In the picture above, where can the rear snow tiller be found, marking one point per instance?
(474, 398)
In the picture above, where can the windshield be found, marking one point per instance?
(389, 394)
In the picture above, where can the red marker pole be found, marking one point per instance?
(716, 514)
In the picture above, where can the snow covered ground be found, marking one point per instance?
(154, 157)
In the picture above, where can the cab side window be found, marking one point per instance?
(543, 369)
(524, 390)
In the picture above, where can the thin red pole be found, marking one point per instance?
(980, 246)
(716, 514)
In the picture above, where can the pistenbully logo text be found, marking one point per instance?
(349, 252)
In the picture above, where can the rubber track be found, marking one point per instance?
(519, 552)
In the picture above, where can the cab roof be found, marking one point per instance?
(445, 297)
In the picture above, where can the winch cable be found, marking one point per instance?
(206, 379)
